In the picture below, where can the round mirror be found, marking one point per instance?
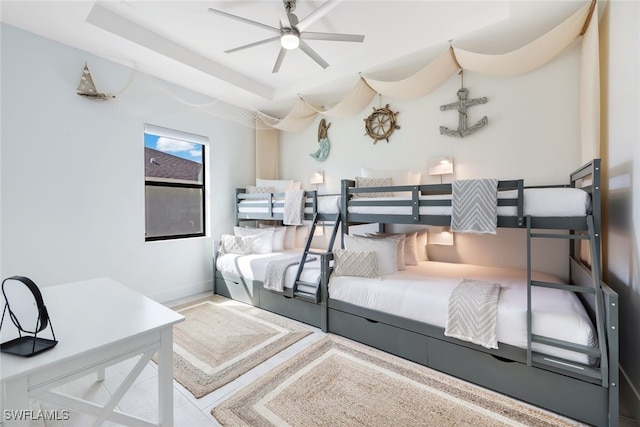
(25, 305)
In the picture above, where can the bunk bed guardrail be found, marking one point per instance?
(270, 205)
(415, 202)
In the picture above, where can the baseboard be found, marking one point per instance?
(631, 397)
(182, 292)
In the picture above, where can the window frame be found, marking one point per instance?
(155, 182)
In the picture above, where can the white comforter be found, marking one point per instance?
(254, 266)
(422, 293)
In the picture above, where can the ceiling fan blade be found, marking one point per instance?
(245, 20)
(258, 43)
(317, 14)
(276, 66)
(335, 37)
(312, 53)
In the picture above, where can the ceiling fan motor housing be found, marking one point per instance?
(290, 6)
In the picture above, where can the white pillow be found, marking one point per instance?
(421, 245)
(354, 263)
(263, 242)
(278, 236)
(400, 243)
(385, 250)
(411, 249)
(236, 244)
(410, 246)
(289, 237)
(280, 185)
(302, 232)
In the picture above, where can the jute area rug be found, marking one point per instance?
(221, 339)
(338, 382)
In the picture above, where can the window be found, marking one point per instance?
(174, 184)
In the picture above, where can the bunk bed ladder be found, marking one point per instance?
(599, 374)
(311, 291)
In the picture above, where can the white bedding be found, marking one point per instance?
(253, 266)
(540, 202)
(326, 205)
(422, 293)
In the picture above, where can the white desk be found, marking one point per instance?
(97, 323)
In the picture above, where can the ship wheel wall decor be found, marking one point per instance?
(381, 124)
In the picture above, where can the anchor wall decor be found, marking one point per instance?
(461, 106)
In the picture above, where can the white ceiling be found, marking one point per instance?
(183, 43)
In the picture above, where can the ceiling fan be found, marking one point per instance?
(292, 32)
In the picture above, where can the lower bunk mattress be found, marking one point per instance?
(254, 266)
(422, 293)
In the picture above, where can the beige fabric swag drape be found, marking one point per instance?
(583, 23)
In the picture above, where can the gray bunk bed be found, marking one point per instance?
(301, 301)
(586, 392)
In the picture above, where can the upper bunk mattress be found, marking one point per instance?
(538, 202)
(254, 266)
(422, 293)
(326, 205)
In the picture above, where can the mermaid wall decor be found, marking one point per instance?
(323, 152)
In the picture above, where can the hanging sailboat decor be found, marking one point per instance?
(88, 88)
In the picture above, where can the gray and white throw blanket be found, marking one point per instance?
(474, 206)
(294, 201)
(276, 272)
(473, 312)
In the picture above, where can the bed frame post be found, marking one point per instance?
(216, 247)
(611, 317)
(238, 192)
(325, 272)
(345, 184)
(529, 320)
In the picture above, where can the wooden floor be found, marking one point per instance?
(141, 399)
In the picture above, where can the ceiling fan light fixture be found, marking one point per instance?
(289, 39)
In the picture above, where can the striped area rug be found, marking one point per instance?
(337, 382)
(222, 339)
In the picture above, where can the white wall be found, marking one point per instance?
(73, 171)
(533, 133)
(620, 44)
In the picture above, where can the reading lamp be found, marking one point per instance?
(441, 166)
(317, 178)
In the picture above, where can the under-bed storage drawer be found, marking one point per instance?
(302, 311)
(394, 340)
(570, 396)
(236, 288)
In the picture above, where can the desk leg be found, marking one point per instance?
(165, 377)
(101, 374)
(15, 408)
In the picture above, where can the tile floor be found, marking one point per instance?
(141, 400)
